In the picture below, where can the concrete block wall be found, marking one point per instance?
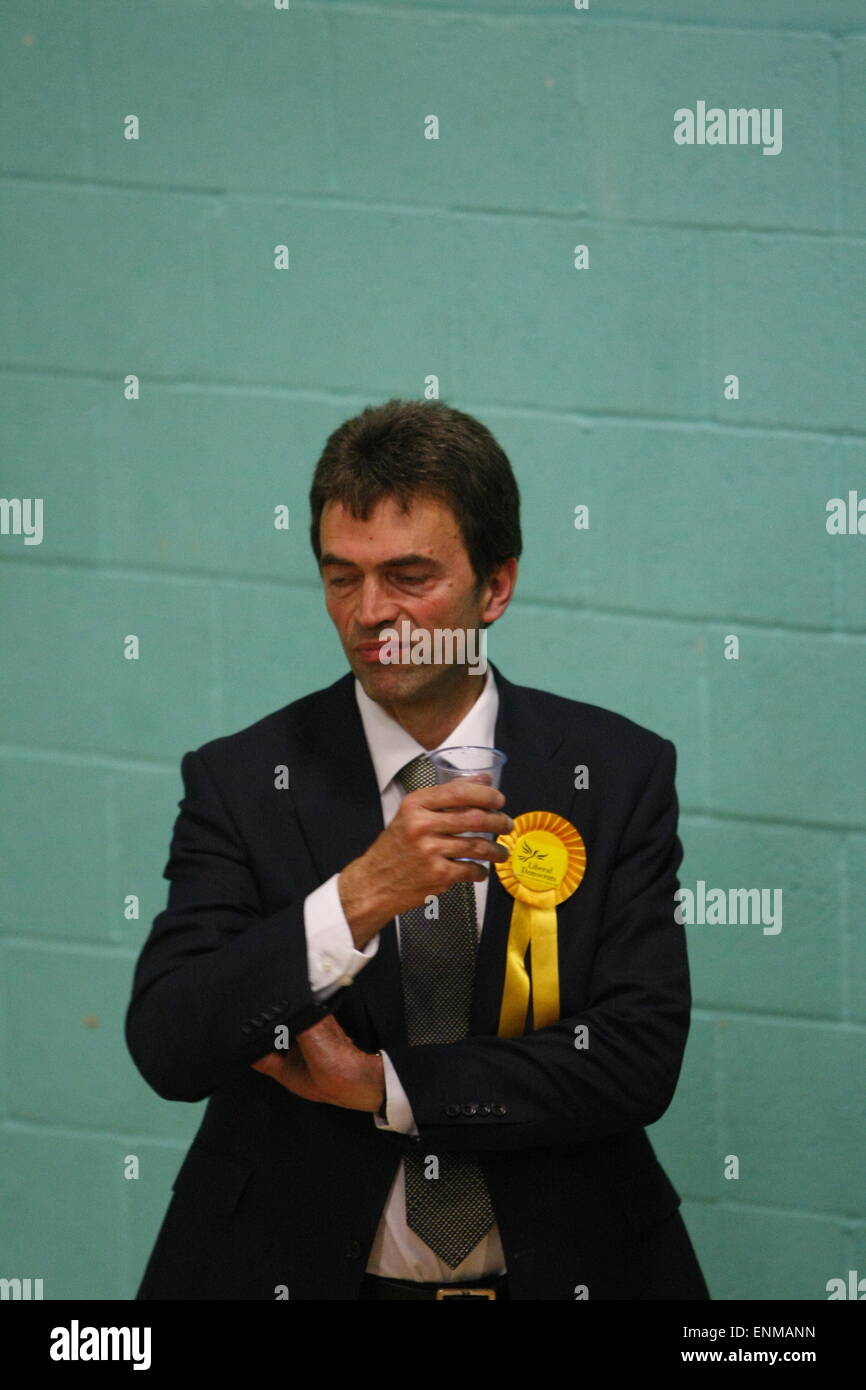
(413, 258)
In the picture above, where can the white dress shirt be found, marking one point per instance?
(333, 961)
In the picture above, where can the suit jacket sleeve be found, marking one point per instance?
(208, 992)
(541, 1089)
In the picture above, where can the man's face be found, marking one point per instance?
(398, 566)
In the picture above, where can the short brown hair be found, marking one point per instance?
(403, 449)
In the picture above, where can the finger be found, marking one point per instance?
(269, 1064)
(453, 821)
(301, 1084)
(326, 1028)
(470, 873)
(278, 1064)
(290, 1071)
(473, 847)
(463, 792)
(322, 1045)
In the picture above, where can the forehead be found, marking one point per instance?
(429, 526)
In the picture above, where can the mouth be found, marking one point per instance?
(369, 651)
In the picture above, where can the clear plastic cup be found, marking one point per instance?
(472, 764)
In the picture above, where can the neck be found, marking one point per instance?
(431, 720)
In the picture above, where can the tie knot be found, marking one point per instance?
(420, 772)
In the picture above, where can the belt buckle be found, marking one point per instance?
(444, 1291)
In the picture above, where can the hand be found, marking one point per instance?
(324, 1065)
(413, 857)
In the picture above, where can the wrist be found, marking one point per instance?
(363, 913)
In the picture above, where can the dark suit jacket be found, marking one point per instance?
(280, 1191)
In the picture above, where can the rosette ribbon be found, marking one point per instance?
(547, 860)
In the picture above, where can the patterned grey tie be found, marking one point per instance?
(453, 1211)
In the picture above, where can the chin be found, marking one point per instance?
(391, 682)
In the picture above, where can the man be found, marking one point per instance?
(332, 970)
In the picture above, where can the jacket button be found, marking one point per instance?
(352, 1250)
(484, 1109)
(470, 1109)
(499, 1109)
(452, 1110)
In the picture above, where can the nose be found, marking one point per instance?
(375, 609)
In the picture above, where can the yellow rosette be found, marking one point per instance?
(547, 859)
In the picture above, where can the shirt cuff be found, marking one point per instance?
(332, 959)
(397, 1106)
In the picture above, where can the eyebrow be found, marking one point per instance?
(398, 561)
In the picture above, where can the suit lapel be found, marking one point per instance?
(340, 814)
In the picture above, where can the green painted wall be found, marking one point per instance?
(453, 258)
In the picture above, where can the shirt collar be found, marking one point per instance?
(391, 747)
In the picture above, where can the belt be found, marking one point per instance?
(375, 1286)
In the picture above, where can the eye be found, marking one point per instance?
(411, 578)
